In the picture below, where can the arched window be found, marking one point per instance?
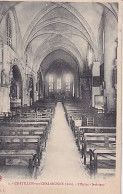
(58, 83)
(68, 83)
(50, 83)
(9, 30)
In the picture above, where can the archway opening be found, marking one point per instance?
(16, 88)
(60, 80)
(60, 72)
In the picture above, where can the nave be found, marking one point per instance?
(58, 89)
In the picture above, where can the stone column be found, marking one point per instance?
(26, 99)
(1, 66)
(110, 37)
(95, 81)
(76, 84)
(41, 89)
(5, 90)
(34, 87)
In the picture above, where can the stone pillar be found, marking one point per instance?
(25, 92)
(35, 89)
(46, 86)
(5, 87)
(110, 37)
(41, 89)
(95, 81)
(73, 86)
(35, 94)
(1, 66)
(76, 85)
(115, 83)
(1, 53)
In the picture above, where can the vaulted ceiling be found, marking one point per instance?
(46, 27)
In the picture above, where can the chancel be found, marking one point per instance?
(59, 81)
(58, 89)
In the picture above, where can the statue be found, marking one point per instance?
(3, 78)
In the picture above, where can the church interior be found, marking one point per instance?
(58, 89)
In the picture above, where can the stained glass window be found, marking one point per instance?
(67, 83)
(50, 83)
(58, 83)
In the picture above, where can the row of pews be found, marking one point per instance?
(24, 133)
(94, 136)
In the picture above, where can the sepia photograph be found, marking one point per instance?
(60, 97)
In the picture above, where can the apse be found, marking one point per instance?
(60, 68)
(60, 80)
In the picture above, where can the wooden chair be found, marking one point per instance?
(90, 121)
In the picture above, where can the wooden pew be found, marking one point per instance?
(13, 130)
(28, 125)
(91, 129)
(30, 119)
(99, 144)
(21, 147)
(25, 124)
(29, 116)
(37, 108)
(80, 120)
(24, 135)
(31, 125)
(75, 122)
(73, 110)
(103, 159)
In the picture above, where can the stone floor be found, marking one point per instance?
(62, 160)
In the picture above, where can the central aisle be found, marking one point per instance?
(62, 160)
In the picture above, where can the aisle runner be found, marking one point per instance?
(62, 161)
